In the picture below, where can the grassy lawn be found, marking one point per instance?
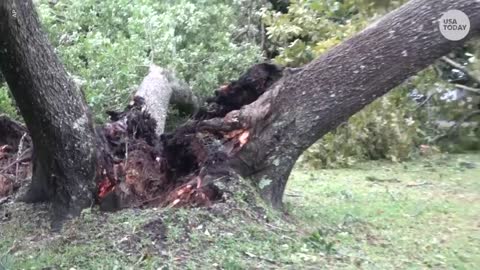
(377, 215)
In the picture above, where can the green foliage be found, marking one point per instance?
(319, 240)
(386, 128)
(383, 130)
(6, 105)
(107, 45)
(312, 27)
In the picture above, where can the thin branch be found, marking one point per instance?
(419, 184)
(425, 101)
(455, 127)
(19, 154)
(241, 33)
(469, 89)
(461, 68)
(263, 36)
(26, 156)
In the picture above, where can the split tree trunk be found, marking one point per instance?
(54, 110)
(159, 89)
(304, 106)
(156, 91)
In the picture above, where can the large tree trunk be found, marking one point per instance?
(304, 106)
(54, 111)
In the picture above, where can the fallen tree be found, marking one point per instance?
(159, 89)
(254, 128)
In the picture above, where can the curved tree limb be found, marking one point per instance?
(302, 107)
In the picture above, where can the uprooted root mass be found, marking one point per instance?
(137, 168)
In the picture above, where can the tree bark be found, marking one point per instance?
(54, 110)
(156, 91)
(305, 105)
(159, 89)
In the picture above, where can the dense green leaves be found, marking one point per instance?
(107, 45)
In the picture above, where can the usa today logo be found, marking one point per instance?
(454, 25)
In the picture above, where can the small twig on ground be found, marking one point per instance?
(293, 195)
(4, 200)
(419, 184)
(142, 258)
(20, 150)
(251, 255)
(251, 215)
(277, 228)
(425, 101)
(388, 180)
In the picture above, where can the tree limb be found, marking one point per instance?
(304, 106)
(460, 67)
(454, 129)
(159, 89)
(469, 89)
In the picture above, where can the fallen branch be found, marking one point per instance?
(454, 129)
(380, 180)
(469, 89)
(11, 132)
(159, 89)
(419, 184)
(26, 156)
(429, 97)
(461, 67)
(251, 255)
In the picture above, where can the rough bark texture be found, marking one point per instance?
(304, 106)
(156, 92)
(53, 109)
(182, 96)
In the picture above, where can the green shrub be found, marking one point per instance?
(6, 104)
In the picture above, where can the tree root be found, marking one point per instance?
(186, 168)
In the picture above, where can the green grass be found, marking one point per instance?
(407, 216)
(377, 215)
